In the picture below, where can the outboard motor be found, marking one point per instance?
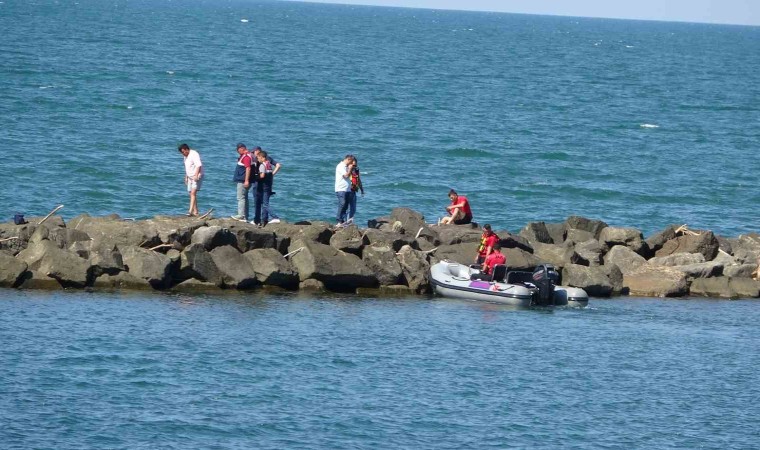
(545, 277)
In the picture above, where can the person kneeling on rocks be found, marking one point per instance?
(496, 257)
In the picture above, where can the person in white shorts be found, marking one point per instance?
(193, 176)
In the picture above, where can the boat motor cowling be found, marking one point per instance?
(545, 277)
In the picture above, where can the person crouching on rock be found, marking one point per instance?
(496, 257)
(488, 241)
(459, 210)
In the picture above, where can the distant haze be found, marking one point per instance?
(740, 12)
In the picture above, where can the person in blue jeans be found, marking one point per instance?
(343, 188)
(242, 178)
(264, 188)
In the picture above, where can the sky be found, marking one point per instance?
(741, 12)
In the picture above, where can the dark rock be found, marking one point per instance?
(536, 232)
(509, 240)
(105, 259)
(657, 240)
(237, 271)
(122, 280)
(556, 232)
(272, 269)
(423, 245)
(416, 269)
(196, 262)
(615, 275)
(656, 281)
(377, 222)
(213, 237)
(339, 271)
(248, 236)
(151, 266)
(46, 258)
(320, 232)
(705, 243)
(464, 253)
(594, 227)
(677, 259)
(176, 231)
(349, 240)
(630, 237)
(413, 224)
(384, 238)
(573, 236)
(456, 234)
(624, 258)
(11, 270)
(22, 233)
(550, 253)
(382, 261)
(724, 244)
(593, 280)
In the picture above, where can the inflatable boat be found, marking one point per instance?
(518, 288)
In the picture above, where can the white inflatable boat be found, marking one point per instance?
(536, 288)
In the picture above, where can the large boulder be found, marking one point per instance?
(556, 232)
(536, 232)
(213, 237)
(105, 258)
(509, 240)
(463, 253)
(746, 248)
(413, 224)
(114, 230)
(677, 259)
(196, 262)
(47, 259)
(121, 280)
(740, 270)
(519, 259)
(15, 238)
(701, 270)
(574, 236)
(416, 269)
(550, 253)
(237, 271)
(593, 280)
(272, 269)
(704, 243)
(456, 234)
(657, 240)
(383, 262)
(176, 231)
(151, 266)
(339, 271)
(248, 236)
(590, 251)
(594, 227)
(320, 232)
(31, 279)
(629, 237)
(624, 258)
(390, 239)
(726, 287)
(349, 240)
(656, 281)
(11, 270)
(62, 237)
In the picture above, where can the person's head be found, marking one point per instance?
(453, 196)
(348, 159)
(354, 160)
(241, 149)
(261, 156)
(257, 150)
(487, 229)
(184, 149)
(497, 247)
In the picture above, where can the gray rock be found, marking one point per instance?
(31, 279)
(311, 285)
(593, 280)
(615, 275)
(677, 259)
(349, 240)
(536, 232)
(556, 232)
(590, 251)
(456, 234)
(461, 253)
(320, 232)
(509, 240)
(11, 270)
(519, 259)
(413, 223)
(384, 238)
(116, 231)
(594, 227)
(416, 269)
(657, 240)
(382, 261)
(176, 231)
(423, 245)
(550, 253)
(624, 258)
(196, 262)
(724, 244)
(122, 280)
(574, 236)
(105, 259)
(701, 270)
(237, 271)
(151, 266)
(22, 232)
(339, 271)
(705, 243)
(272, 269)
(726, 287)
(213, 237)
(194, 286)
(726, 259)
(740, 271)
(629, 237)
(248, 236)
(656, 281)
(46, 258)
(746, 248)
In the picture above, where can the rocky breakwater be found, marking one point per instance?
(392, 254)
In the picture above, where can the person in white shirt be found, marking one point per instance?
(343, 187)
(193, 176)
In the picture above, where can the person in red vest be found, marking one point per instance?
(487, 242)
(496, 257)
(459, 210)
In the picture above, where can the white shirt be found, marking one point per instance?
(341, 183)
(192, 162)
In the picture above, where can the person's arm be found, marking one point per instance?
(262, 171)
(359, 179)
(347, 175)
(276, 166)
(247, 183)
(198, 168)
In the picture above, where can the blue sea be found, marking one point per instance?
(641, 124)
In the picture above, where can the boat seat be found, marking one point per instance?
(519, 277)
(499, 272)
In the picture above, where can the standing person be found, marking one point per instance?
(193, 176)
(242, 178)
(343, 187)
(459, 210)
(259, 191)
(356, 185)
(487, 242)
(266, 173)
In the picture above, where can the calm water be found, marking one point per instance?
(535, 118)
(242, 371)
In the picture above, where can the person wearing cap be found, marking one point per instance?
(242, 178)
(343, 188)
(263, 188)
(193, 176)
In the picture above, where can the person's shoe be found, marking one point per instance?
(238, 218)
(274, 221)
(340, 225)
(253, 222)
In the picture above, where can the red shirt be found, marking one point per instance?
(496, 257)
(466, 207)
(487, 241)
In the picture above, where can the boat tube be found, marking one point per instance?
(518, 288)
